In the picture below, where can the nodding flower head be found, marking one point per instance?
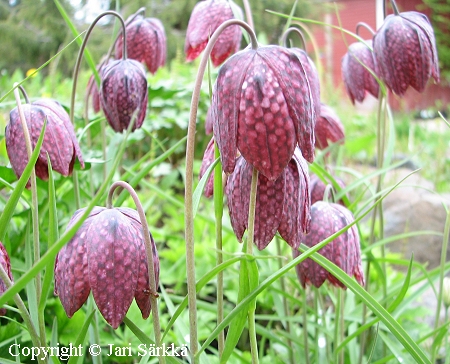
(357, 78)
(124, 93)
(146, 42)
(282, 205)
(206, 17)
(262, 105)
(106, 255)
(318, 188)
(5, 263)
(59, 142)
(405, 50)
(328, 128)
(344, 251)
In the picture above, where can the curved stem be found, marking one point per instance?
(328, 195)
(24, 93)
(149, 246)
(80, 55)
(34, 210)
(74, 85)
(189, 212)
(364, 25)
(248, 14)
(296, 30)
(394, 6)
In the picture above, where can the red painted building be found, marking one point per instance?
(332, 45)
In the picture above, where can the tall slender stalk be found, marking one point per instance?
(150, 261)
(218, 210)
(286, 312)
(74, 88)
(189, 211)
(250, 240)
(34, 211)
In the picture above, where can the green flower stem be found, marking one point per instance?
(150, 262)
(34, 212)
(286, 312)
(305, 327)
(377, 211)
(441, 278)
(294, 30)
(447, 340)
(189, 208)
(338, 327)
(74, 88)
(218, 210)
(250, 240)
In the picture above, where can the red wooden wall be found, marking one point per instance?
(332, 48)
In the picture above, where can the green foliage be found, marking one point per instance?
(441, 23)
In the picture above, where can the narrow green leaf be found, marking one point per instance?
(238, 324)
(396, 329)
(145, 171)
(10, 206)
(201, 186)
(144, 339)
(200, 284)
(41, 67)
(54, 340)
(52, 236)
(74, 31)
(82, 336)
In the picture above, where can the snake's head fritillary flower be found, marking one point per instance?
(262, 105)
(405, 50)
(206, 17)
(208, 159)
(357, 78)
(318, 188)
(328, 128)
(146, 42)
(106, 255)
(311, 75)
(282, 205)
(344, 251)
(5, 263)
(124, 93)
(59, 142)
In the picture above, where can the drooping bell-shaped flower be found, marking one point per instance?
(206, 17)
(208, 159)
(5, 263)
(124, 93)
(106, 255)
(262, 105)
(405, 50)
(328, 128)
(282, 205)
(357, 79)
(344, 251)
(146, 42)
(318, 188)
(59, 142)
(311, 75)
